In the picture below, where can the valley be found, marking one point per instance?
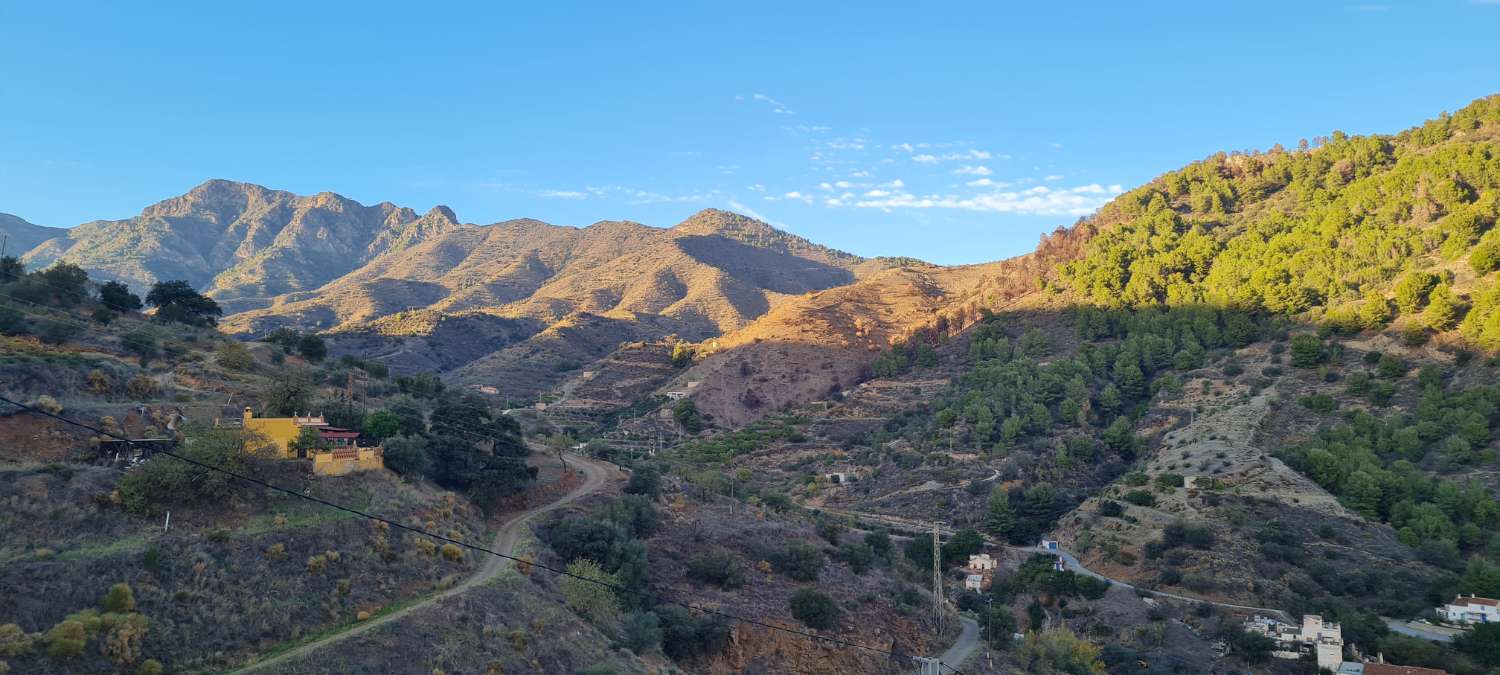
(1259, 385)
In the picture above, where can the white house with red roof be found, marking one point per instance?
(1471, 609)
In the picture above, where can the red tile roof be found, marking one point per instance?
(1462, 600)
(1388, 669)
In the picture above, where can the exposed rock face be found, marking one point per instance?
(240, 242)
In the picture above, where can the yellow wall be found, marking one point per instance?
(279, 430)
(324, 463)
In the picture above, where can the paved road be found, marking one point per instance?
(965, 646)
(595, 475)
(1425, 631)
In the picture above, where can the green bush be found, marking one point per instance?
(407, 455)
(1321, 403)
(717, 567)
(800, 561)
(120, 599)
(163, 481)
(1307, 351)
(814, 609)
(641, 632)
(66, 640)
(1140, 498)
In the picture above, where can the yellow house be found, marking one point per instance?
(282, 430)
(343, 455)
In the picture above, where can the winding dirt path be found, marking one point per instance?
(595, 475)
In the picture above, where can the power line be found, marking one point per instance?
(474, 547)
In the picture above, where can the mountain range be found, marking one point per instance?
(514, 304)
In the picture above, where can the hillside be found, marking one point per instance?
(1263, 379)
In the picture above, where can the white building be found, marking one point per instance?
(1047, 545)
(1323, 639)
(676, 395)
(974, 582)
(981, 562)
(1470, 609)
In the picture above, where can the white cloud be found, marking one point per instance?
(1040, 200)
(776, 106)
(757, 188)
(847, 144)
(970, 154)
(897, 183)
(1052, 177)
(738, 207)
(860, 174)
(986, 182)
(977, 170)
(561, 194)
(797, 196)
(877, 193)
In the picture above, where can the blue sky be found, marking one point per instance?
(953, 132)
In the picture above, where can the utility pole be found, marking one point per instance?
(937, 578)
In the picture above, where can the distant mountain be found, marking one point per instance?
(583, 292)
(239, 241)
(714, 272)
(22, 236)
(516, 302)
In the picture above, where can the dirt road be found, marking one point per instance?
(595, 475)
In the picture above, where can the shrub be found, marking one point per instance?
(235, 356)
(799, 561)
(141, 387)
(718, 567)
(453, 552)
(150, 667)
(48, 404)
(645, 479)
(1111, 509)
(815, 609)
(119, 599)
(1140, 498)
(636, 513)
(1320, 403)
(14, 641)
(684, 637)
(1307, 350)
(641, 632)
(859, 557)
(830, 528)
(587, 590)
(166, 480)
(66, 640)
(1169, 480)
